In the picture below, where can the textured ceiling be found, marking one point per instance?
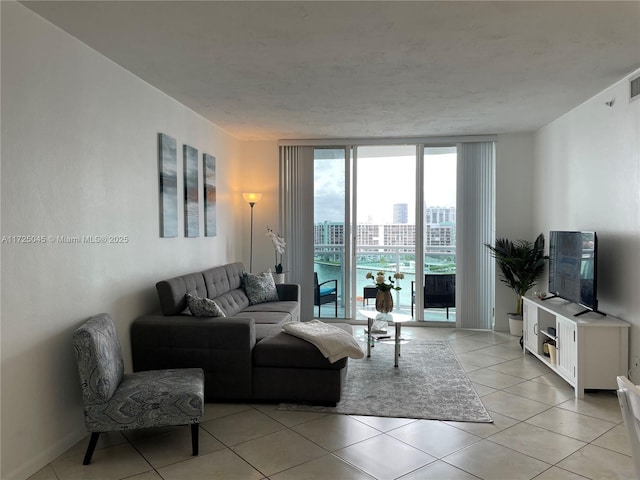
(274, 70)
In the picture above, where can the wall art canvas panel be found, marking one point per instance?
(209, 169)
(168, 175)
(191, 193)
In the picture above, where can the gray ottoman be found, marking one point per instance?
(287, 368)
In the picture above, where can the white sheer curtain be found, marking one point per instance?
(475, 282)
(296, 219)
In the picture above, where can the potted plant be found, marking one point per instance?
(520, 263)
(384, 300)
(279, 246)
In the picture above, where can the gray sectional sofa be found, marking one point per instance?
(245, 355)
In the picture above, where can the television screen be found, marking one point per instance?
(572, 267)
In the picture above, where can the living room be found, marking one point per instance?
(79, 157)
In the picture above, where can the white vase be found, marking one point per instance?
(278, 277)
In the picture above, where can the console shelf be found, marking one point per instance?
(592, 350)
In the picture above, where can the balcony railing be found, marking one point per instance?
(329, 264)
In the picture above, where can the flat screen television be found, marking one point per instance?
(573, 261)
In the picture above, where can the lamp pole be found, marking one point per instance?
(251, 204)
(252, 199)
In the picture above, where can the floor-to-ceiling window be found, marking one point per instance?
(439, 174)
(330, 207)
(385, 220)
(422, 209)
(369, 212)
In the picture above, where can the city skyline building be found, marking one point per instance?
(400, 213)
(438, 215)
(440, 230)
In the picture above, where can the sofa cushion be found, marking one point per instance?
(204, 307)
(273, 318)
(234, 273)
(171, 293)
(260, 288)
(286, 351)
(264, 330)
(233, 302)
(216, 281)
(292, 308)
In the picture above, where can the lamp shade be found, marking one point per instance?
(252, 197)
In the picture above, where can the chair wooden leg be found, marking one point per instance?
(92, 446)
(194, 437)
(336, 308)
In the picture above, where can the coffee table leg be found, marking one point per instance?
(369, 326)
(397, 353)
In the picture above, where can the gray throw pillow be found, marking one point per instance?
(260, 288)
(204, 307)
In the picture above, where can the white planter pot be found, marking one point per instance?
(278, 277)
(515, 324)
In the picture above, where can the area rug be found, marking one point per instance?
(429, 383)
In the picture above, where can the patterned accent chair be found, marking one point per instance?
(116, 401)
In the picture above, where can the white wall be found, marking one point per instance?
(79, 157)
(587, 177)
(514, 208)
(259, 173)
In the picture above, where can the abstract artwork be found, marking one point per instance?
(209, 173)
(191, 193)
(168, 175)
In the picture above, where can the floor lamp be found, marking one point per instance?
(252, 198)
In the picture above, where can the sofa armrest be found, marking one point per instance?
(222, 347)
(288, 292)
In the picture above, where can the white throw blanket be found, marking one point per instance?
(333, 342)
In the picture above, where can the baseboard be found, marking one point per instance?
(45, 457)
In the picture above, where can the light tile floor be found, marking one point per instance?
(539, 431)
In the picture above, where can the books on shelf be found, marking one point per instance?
(378, 335)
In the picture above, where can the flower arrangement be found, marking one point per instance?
(279, 245)
(381, 283)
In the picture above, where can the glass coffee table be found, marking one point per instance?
(397, 318)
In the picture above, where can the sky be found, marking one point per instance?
(386, 176)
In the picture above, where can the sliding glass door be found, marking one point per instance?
(330, 232)
(439, 232)
(425, 210)
(385, 226)
(370, 215)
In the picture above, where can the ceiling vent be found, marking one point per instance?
(634, 87)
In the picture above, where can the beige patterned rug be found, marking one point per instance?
(428, 384)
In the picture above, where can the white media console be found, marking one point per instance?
(591, 349)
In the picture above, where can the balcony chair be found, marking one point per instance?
(629, 399)
(439, 291)
(114, 400)
(325, 292)
(369, 291)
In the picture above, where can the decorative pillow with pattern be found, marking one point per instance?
(204, 307)
(260, 288)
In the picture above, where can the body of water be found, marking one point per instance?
(331, 272)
